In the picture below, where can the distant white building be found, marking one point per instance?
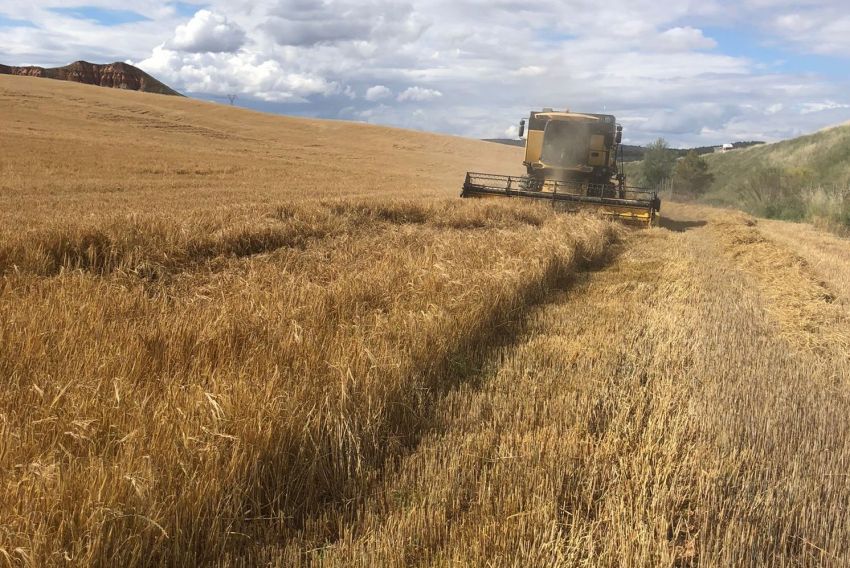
(723, 149)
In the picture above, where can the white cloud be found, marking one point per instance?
(419, 94)
(691, 118)
(307, 22)
(471, 67)
(684, 39)
(377, 93)
(207, 32)
(817, 27)
(809, 108)
(243, 73)
(530, 71)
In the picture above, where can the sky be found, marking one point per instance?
(693, 72)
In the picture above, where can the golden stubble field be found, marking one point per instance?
(231, 338)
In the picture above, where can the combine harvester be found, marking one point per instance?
(571, 160)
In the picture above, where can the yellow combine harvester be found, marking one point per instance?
(571, 160)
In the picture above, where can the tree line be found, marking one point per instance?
(689, 175)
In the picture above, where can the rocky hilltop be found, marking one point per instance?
(115, 75)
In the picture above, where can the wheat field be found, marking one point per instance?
(231, 339)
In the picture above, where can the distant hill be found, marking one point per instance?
(822, 158)
(116, 75)
(802, 179)
(636, 153)
(806, 178)
(703, 150)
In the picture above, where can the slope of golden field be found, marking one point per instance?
(236, 339)
(69, 149)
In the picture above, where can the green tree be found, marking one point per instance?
(691, 175)
(658, 163)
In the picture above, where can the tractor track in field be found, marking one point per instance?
(623, 403)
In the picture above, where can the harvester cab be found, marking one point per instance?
(571, 159)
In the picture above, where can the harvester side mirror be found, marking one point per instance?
(619, 137)
(521, 128)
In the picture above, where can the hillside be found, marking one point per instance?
(822, 158)
(806, 178)
(803, 179)
(236, 339)
(67, 149)
(116, 75)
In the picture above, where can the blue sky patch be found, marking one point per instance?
(775, 58)
(186, 10)
(102, 16)
(6, 22)
(553, 36)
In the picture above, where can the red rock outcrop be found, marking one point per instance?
(115, 75)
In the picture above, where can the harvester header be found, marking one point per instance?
(572, 160)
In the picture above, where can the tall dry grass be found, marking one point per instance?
(173, 389)
(792, 195)
(828, 207)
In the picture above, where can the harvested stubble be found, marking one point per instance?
(827, 256)
(664, 411)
